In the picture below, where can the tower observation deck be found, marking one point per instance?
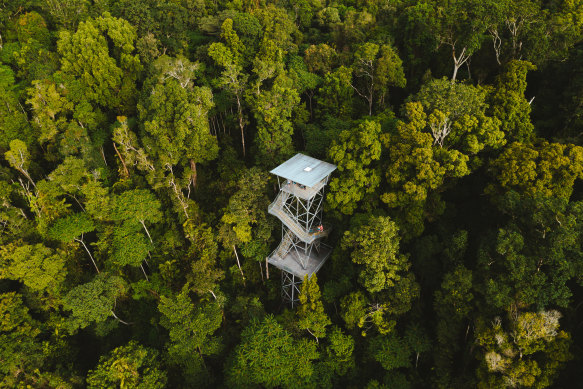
(298, 206)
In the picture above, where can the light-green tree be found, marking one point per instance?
(320, 58)
(354, 153)
(417, 171)
(49, 106)
(311, 314)
(100, 56)
(174, 115)
(19, 158)
(526, 351)
(375, 245)
(548, 169)
(509, 104)
(126, 367)
(72, 228)
(39, 267)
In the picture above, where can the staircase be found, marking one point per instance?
(276, 209)
(284, 246)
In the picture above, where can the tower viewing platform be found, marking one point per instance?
(298, 206)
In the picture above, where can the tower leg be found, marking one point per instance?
(290, 288)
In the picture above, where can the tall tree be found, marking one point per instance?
(354, 152)
(269, 356)
(72, 228)
(312, 316)
(527, 350)
(191, 328)
(230, 56)
(373, 243)
(174, 115)
(378, 67)
(417, 170)
(245, 222)
(129, 366)
(531, 259)
(94, 301)
(100, 56)
(509, 104)
(457, 117)
(273, 109)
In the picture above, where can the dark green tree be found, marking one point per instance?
(269, 356)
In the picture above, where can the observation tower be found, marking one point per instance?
(298, 206)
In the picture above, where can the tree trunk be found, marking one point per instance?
(25, 173)
(125, 168)
(455, 69)
(241, 123)
(147, 232)
(118, 319)
(143, 271)
(193, 176)
(239, 264)
(88, 252)
(266, 268)
(458, 62)
(103, 155)
(370, 97)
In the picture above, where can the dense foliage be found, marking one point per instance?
(135, 141)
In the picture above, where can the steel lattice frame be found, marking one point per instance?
(290, 287)
(306, 213)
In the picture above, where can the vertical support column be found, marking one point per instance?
(290, 287)
(293, 281)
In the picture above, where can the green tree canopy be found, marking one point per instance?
(312, 316)
(354, 152)
(94, 301)
(129, 366)
(269, 356)
(100, 56)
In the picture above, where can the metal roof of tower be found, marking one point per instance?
(304, 170)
